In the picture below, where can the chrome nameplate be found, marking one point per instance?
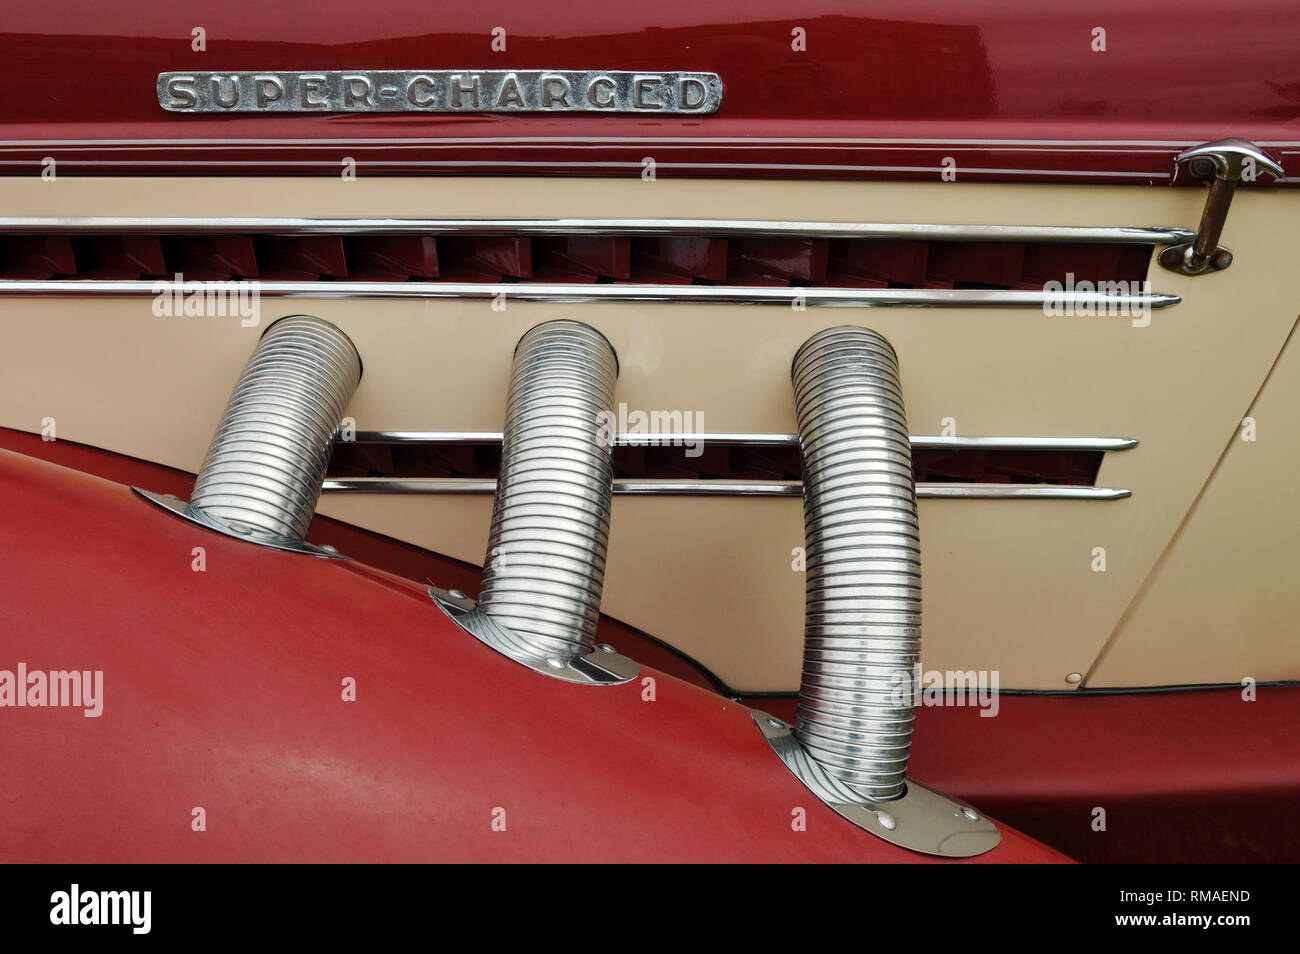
(441, 91)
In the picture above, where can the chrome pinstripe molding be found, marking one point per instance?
(770, 440)
(1018, 492)
(1123, 305)
(1120, 305)
(529, 166)
(642, 486)
(1162, 144)
(626, 486)
(173, 225)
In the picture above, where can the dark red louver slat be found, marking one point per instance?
(867, 263)
(488, 258)
(211, 258)
(679, 260)
(119, 257)
(777, 261)
(392, 258)
(300, 258)
(583, 258)
(36, 257)
(974, 263)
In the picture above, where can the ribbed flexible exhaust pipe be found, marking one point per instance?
(269, 454)
(862, 623)
(539, 601)
(261, 477)
(550, 516)
(862, 616)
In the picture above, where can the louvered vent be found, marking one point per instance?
(719, 461)
(745, 261)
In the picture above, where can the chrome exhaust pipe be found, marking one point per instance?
(550, 516)
(862, 618)
(539, 602)
(862, 624)
(261, 477)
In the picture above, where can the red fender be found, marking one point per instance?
(222, 690)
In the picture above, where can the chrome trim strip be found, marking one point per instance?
(451, 143)
(722, 488)
(1019, 492)
(645, 486)
(167, 225)
(1105, 444)
(427, 437)
(534, 164)
(456, 486)
(631, 140)
(1123, 305)
(766, 440)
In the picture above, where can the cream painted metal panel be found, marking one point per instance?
(1223, 604)
(1008, 583)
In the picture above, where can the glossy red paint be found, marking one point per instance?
(222, 691)
(1187, 777)
(1014, 91)
(373, 549)
(1164, 765)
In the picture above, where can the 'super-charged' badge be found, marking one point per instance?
(441, 91)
